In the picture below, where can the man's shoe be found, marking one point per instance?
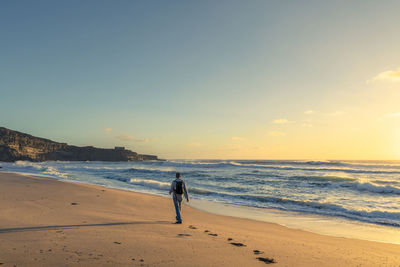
(178, 222)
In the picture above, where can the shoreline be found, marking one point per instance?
(41, 225)
(314, 223)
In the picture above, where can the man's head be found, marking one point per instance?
(177, 175)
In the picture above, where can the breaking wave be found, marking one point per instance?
(373, 188)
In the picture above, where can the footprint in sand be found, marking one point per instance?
(206, 231)
(238, 244)
(266, 260)
(192, 227)
(229, 239)
(213, 234)
(256, 252)
(74, 203)
(180, 235)
(118, 243)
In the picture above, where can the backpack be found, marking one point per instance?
(179, 187)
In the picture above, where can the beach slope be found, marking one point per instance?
(45, 222)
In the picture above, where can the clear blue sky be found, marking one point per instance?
(203, 79)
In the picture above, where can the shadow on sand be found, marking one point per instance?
(58, 227)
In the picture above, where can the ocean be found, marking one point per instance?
(354, 191)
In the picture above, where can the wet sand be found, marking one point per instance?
(45, 222)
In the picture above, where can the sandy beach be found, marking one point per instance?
(45, 222)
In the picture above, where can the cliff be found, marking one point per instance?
(20, 146)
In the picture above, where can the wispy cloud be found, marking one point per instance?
(393, 115)
(309, 112)
(237, 138)
(281, 121)
(132, 139)
(389, 75)
(108, 130)
(276, 133)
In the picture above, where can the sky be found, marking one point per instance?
(206, 79)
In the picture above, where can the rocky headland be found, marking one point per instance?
(21, 146)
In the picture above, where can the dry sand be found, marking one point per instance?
(45, 222)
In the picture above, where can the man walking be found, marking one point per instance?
(178, 187)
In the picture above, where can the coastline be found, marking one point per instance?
(51, 222)
(313, 196)
(315, 223)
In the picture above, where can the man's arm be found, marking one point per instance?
(185, 191)
(172, 188)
